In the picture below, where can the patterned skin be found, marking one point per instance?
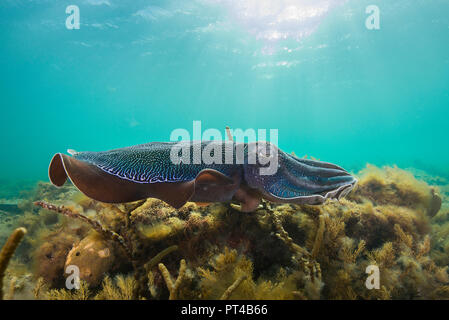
(202, 171)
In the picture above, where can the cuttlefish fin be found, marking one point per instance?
(223, 188)
(249, 199)
(56, 171)
(214, 185)
(101, 186)
(212, 177)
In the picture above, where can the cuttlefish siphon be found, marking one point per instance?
(236, 174)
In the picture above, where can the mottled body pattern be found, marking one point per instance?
(147, 170)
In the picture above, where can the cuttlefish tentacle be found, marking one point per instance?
(299, 181)
(147, 171)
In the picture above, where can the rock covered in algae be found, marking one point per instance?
(94, 257)
(49, 258)
(391, 220)
(393, 186)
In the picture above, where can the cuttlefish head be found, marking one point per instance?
(281, 177)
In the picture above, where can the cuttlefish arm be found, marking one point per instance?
(299, 181)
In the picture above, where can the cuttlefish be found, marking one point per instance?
(148, 171)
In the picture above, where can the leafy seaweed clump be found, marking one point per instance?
(392, 220)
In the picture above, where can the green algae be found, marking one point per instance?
(281, 251)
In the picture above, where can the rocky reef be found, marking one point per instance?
(148, 250)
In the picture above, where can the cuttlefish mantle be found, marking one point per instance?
(147, 171)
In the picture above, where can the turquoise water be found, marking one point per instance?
(136, 70)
